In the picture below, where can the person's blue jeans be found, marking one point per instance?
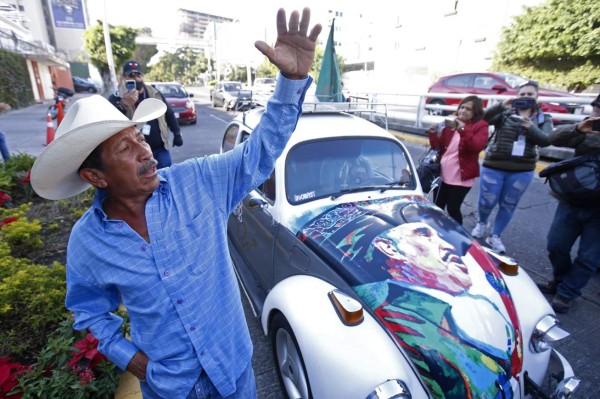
(502, 188)
(245, 387)
(3, 147)
(163, 157)
(569, 223)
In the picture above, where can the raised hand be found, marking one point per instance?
(294, 50)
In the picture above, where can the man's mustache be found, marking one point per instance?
(146, 166)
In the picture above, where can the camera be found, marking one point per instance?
(596, 125)
(524, 103)
(450, 123)
(130, 85)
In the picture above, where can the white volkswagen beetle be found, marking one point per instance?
(368, 290)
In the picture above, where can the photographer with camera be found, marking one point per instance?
(132, 91)
(510, 158)
(460, 142)
(572, 221)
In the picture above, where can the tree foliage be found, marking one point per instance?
(555, 42)
(184, 65)
(122, 42)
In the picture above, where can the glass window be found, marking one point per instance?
(314, 171)
(268, 188)
(460, 81)
(485, 82)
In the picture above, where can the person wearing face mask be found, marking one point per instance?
(460, 142)
(510, 158)
(156, 132)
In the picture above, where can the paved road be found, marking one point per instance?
(525, 239)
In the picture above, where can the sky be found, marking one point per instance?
(161, 16)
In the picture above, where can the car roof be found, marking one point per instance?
(320, 125)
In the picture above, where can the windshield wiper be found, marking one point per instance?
(381, 187)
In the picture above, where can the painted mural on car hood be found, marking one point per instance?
(430, 284)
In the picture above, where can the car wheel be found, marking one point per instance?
(213, 102)
(437, 111)
(193, 122)
(225, 107)
(92, 90)
(290, 365)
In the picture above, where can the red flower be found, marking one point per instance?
(8, 220)
(27, 179)
(88, 349)
(9, 373)
(4, 198)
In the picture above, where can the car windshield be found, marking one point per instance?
(172, 91)
(513, 81)
(232, 86)
(333, 167)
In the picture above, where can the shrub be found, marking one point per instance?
(15, 177)
(70, 367)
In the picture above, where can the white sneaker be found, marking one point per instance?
(495, 242)
(479, 230)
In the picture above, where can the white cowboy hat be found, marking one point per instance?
(88, 123)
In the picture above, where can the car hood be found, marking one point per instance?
(430, 284)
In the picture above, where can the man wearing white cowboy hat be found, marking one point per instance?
(156, 240)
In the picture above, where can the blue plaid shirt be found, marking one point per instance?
(180, 290)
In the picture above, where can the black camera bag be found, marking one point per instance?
(576, 180)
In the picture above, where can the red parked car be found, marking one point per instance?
(489, 83)
(179, 100)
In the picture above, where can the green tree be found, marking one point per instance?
(122, 42)
(184, 65)
(555, 42)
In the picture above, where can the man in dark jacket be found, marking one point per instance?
(156, 132)
(572, 222)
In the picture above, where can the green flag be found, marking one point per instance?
(329, 83)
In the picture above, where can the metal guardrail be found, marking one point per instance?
(410, 113)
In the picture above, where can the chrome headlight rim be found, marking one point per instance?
(546, 333)
(390, 389)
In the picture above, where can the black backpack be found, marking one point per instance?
(577, 180)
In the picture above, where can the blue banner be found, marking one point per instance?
(68, 14)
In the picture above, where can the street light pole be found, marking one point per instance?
(109, 55)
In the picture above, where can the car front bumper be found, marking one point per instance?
(564, 382)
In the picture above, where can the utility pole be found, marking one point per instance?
(109, 55)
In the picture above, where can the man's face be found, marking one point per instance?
(129, 168)
(138, 77)
(422, 247)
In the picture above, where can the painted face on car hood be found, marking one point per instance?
(430, 284)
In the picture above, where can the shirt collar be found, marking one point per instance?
(100, 195)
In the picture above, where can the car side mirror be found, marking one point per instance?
(499, 88)
(191, 94)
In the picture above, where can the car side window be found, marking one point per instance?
(484, 82)
(460, 81)
(268, 187)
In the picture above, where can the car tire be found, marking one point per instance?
(193, 122)
(213, 102)
(438, 112)
(225, 107)
(92, 90)
(289, 362)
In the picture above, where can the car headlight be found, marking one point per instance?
(546, 333)
(391, 389)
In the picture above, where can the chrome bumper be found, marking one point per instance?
(564, 385)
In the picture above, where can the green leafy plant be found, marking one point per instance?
(70, 366)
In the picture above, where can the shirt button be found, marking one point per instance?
(192, 328)
(166, 273)
(143, 248)
(299, 92)
(179, 301)
(120, 224)
(202, 353)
